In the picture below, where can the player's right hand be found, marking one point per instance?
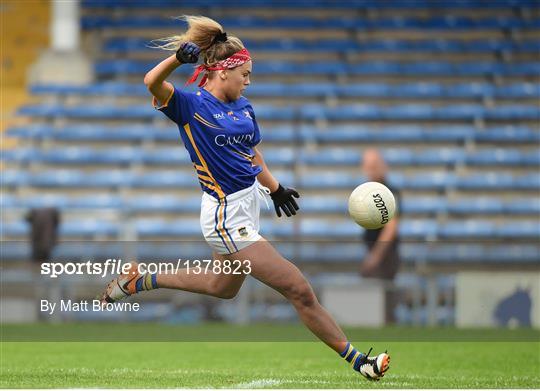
(188, 53)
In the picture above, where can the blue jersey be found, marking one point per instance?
(219, 138)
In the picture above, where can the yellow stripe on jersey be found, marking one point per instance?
(209, 186)
(219, 191)
(245, 155)
(204, 177)
(199, 118)
(215, 184)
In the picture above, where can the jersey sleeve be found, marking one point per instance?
(257, 133)
(176, 107)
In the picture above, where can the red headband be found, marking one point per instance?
(237, 59)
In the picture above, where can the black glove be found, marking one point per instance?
(283, 198)
(188, 53)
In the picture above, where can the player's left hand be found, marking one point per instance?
(283, 199)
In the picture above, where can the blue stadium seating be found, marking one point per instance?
(460, 116)
(513, 112)
(423, 205)
(87, 111)
(520, 230)
(428, 181)
(14, 178)
(467, 229)
(485, 181)
(508, 134)
(155, 227)
(320, 89)
(528, 181)
(68, 229)
(165, 179)
(327, 157)
(512, 253)
(326, 204)
(331, 180)
(476, 205)
(527, 206)
(418, 229)
(14, 229)
(167, 156)
(327, 229)
(163, 203)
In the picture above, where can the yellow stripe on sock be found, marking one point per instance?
(349, 351)
(354, 358)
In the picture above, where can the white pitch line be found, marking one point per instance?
(258, 383)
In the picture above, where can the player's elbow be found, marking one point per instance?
(149, 81)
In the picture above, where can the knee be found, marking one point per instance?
(301, 294)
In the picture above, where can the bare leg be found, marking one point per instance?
(224, 286)
(269, 267)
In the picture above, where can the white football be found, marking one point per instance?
(372, 205)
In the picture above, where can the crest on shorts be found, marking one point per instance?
(243, 231)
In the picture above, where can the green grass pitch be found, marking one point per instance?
(453, 362)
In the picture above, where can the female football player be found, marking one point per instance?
(219, 129)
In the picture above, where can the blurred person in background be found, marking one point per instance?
(219, 129)
(382, 260)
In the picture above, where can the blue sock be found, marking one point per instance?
(146, 282)
(352, 356)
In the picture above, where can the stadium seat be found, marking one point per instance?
(520, 230)
(513, 112)
(334, 253)
(468, 112)
(327, 179)
(327, 156)
(327, 229)
(407, 112)
(422, 205)
(514, 134)
(21, 156)
(468, 90)
(398, 156)
(518, 90)
(512, 253)
(527, 206)
(88, 228)
(452, 133)
(439, 156)
(163, 203)
(476, 205)
(416, 90)
(429, 181)
(486, 181)
(163, 228)
(276, 156)
(14, 229)
(322, 205)
(14, 178)
(467, 229)
(165, 179)
(495, 157)
(165, 156)
(418, 229)
(527, 182)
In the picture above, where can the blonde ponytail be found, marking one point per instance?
(202, 31)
